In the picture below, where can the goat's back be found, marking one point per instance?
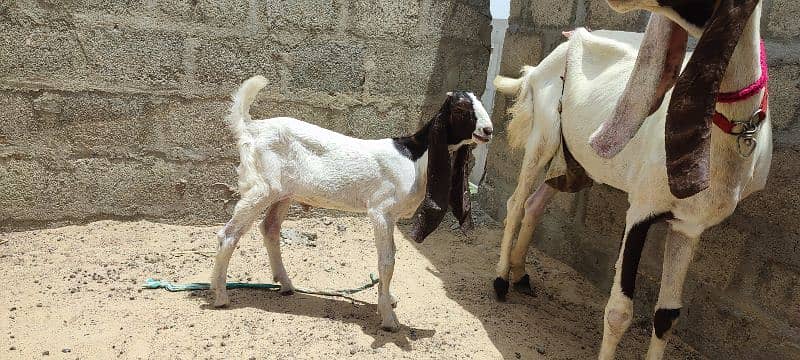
(323, 168)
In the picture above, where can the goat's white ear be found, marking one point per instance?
(449, 93)
(657, 67)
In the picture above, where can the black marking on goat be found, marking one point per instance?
(414, 146)
(663, 321)
(501, 288)
(524, 286)
(695, 12)
(458, 128)
(632, 251)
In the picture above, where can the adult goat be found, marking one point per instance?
(573, 112)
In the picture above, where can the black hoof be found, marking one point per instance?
(287, 293)
(524, 286)
(501, 288)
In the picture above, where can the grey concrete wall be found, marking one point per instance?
(742, 298)
(113, 109)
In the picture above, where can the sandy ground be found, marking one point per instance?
(74, 292)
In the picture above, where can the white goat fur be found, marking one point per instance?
(605, 57)
(285, 159)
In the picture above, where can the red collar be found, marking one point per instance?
(730, 127)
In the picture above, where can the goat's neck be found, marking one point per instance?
(728, 166)
(744, 69)
(415, 145)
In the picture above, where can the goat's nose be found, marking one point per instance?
(487, 131)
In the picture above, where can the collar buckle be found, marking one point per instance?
(746, 132)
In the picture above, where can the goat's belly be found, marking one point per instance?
(343, 204)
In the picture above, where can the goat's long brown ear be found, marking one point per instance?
(691, 109)
(459, 190)
(657, 67)
(437, 192)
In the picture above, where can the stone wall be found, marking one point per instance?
(113, 109)
(742, 298)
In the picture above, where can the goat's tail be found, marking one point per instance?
(240, 109)
(522, 112)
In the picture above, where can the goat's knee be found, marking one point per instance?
(618, 314)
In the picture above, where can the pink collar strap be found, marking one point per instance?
(752, 89)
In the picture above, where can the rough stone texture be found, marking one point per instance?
(114, 109)
(601, 16)
(783, 17)
(743, 290)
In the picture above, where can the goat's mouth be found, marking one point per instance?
(480, 138)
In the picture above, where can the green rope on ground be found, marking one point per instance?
(169, 286)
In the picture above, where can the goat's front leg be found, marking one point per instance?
(678, 252)
(619, 309)
(384, 241)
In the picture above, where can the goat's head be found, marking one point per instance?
(719, 25)
(461, 121)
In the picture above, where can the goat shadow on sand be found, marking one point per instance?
(561, 320)
(344, 309)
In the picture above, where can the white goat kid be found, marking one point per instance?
(285, 159)
(600, 114)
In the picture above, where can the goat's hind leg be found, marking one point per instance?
(245, 213)
(271, 231)
(678, 252)
(535, 206)
(515, 207)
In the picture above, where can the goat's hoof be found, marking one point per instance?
(289, 292)
(221, 301)
(392, 327)
(390, 322)
(524, 286)
(501, 288)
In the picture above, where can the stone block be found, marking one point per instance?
(782, 18)
(133, 58)
(148, 187)
(601, 16)
(191, 130)
(223, 63)
(394, 69)
(464, 22)
(328, 67)
(772, 213)
(126, 126)
(384, 19)
(368, 122)
(36, 54)
(313, 14)
(230, 13)
(320, 116)
(719, 255)
(784, 92)
(519, 49)
(551, 13)
(17, 121)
